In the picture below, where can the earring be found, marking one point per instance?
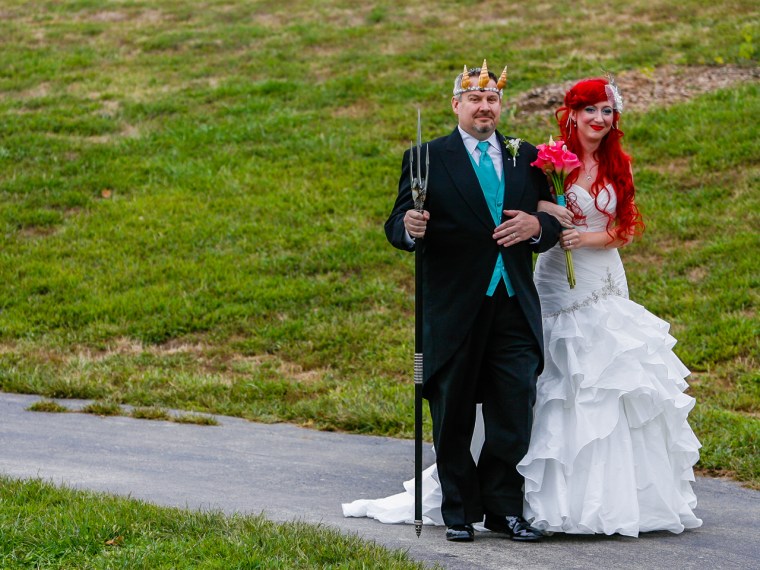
(568, 126)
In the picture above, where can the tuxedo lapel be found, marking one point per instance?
(514, 176)
(459, 167)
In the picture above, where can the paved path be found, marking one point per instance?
(291, 473)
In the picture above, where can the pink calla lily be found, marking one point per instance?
(557, 162)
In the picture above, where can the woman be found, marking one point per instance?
(611, 450)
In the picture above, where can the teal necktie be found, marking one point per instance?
(487, 171)
(491, 185)
(489, 182)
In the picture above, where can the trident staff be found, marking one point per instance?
(419, 193)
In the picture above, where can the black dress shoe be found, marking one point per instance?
(516, 527)
(460, 533)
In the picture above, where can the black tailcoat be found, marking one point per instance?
(460, 251)
(477, 348)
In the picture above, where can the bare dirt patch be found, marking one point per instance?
(116, 16)
(108, 16)
(674, 167)
(36, 231)
(357, 110)
(204, 356)
(662, 86)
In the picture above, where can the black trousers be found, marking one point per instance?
(497, 365)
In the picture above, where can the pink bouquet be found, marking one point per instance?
(557, 162)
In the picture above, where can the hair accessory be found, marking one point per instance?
(483, 79)
(464, 83)
(613, 93)
(502, 83)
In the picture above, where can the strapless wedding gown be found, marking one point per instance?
(611, 449)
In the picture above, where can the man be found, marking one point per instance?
(482, 318)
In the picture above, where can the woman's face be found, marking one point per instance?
(594, 121)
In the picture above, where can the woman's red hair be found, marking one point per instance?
(614, 164)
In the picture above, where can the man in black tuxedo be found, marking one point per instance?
(482, 318)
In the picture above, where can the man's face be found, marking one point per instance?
(478, 112)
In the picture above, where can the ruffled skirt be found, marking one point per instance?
(611, 449)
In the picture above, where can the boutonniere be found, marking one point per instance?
(513, 146)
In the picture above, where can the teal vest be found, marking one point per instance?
(493, 191)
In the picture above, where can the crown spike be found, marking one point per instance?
(483, 80)
(466, 81)
(502, 80)
(465, 78)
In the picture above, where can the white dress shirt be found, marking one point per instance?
(494, 150)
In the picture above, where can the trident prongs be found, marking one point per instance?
(419, 145)
(419, 184)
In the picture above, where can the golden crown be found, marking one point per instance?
(464, 82)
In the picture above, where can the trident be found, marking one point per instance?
(419, 193)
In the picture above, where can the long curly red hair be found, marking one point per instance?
(614, 163)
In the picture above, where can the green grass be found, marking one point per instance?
(112, 409)
(48, 406)
(148, 413)
(103, 409)
(48, 527)
(196, 419)
(192, 199)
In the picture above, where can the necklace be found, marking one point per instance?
(589, 178)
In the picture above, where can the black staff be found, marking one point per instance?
(419, 192)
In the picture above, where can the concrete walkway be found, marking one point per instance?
(291, 473)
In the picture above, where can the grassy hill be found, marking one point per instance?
(193, 196)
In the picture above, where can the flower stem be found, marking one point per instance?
(570, 269)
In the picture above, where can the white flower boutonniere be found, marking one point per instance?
(513, 146)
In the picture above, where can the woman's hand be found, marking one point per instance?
(562, 214)
(571, 239)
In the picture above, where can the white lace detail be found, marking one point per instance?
(610, 289)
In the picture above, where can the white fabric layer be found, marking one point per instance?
(399, 508)
(611, 449)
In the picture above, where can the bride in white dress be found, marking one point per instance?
(611, 449)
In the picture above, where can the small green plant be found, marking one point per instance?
(377, 15)
(48, 406)
(103, 409)
(150, 413)
(747, 47)
(197, 419)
